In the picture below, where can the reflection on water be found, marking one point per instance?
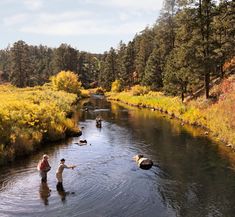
(61, 191)
(44, 192)
(62, 194)
(193, 179)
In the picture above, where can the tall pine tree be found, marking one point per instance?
(153, 74)
(20, 64)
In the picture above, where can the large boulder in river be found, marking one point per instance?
(143, 162)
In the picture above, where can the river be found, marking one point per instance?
(190, 176)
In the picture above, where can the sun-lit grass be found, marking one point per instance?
(31, 115)
(221, 114)
(217, 116)
(88, 92)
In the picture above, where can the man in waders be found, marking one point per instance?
(44, 167)
(59, 172)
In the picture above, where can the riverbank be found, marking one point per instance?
(216, 115)
(32, 116)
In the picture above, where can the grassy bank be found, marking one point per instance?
(30, 116)
(217, 115)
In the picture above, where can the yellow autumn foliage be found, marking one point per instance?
(66, 81)
(116, 86)
(29, 116)
(219, 117)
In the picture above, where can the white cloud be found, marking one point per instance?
(33, 4)
(89, 19)
(64, 16)
(83, 27)
(147, 5)
(124, 16)
(103, 19)
(16, 19)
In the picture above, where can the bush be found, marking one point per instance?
(29, 116)
(66, 81)
(218, 117)
(138, 90)
(85, 93)
(99, 91)
(116, 86)
(221, 115)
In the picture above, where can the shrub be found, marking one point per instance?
(30, 115)
(66, 81)
(116, 86)
(85, 93)
(216, 116)
(138, 90)
(99, 90)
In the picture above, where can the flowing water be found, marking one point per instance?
(190, 177)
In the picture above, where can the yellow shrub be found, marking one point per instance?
(30, 115)
(138, 90)
(66, 81)
(116, 86)
(218, 117)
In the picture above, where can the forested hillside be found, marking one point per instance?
(187, 47)
(25, 65)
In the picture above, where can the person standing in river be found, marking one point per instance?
(59, 172)
(44, 167)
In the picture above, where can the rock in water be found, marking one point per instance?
(83, 141)
(143, 163)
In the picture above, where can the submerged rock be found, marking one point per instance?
(83, 141)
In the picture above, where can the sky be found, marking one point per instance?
(87, 25)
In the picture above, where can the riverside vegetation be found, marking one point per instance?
(216, 115)
(30, 116)
(190, 45)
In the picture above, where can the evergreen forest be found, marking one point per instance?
(188, 47)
